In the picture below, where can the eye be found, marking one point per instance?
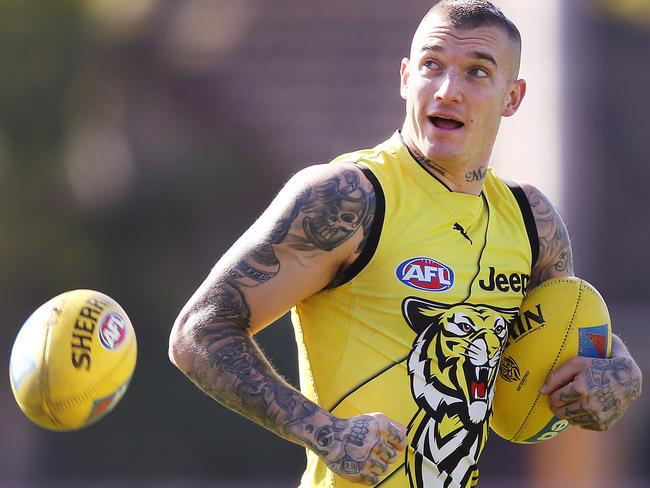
(430, 64)
(479, 72)
(500, 327)
(460, 325)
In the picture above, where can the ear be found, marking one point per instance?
(514, 97)
(404, 77)
(420, 313)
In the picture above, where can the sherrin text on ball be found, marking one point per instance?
(72, 360)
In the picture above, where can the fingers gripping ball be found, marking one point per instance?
(72, 360)
(560, 319)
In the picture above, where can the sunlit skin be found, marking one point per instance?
(468, 75)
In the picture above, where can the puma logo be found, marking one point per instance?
(462, 231)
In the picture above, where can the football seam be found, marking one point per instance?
(566, 335)
(44, 377)
(63, 404)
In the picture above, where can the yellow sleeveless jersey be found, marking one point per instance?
(417, 333)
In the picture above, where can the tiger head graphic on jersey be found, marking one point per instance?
(453, 367)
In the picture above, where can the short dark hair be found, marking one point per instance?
(469, 14)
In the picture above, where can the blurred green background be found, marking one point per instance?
(139, 139)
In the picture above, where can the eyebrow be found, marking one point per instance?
(474, 54)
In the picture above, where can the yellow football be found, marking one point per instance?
(560, 319)
(72, 360)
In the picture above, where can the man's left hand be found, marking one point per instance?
(594, 393)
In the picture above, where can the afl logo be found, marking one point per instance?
(112, 330)
(425, 274)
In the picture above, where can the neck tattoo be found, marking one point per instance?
(476, 174)
(427, 164)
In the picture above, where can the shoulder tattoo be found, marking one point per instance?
(555, 255)
(338, 207)
(321, 217)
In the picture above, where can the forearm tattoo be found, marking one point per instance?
(555, 256)
(237, 375)
(228, 365)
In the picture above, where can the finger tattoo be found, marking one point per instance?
(582, 420)
(378, 464)
(575, 412)
(389, 452)
(395, 433)
(569, 396)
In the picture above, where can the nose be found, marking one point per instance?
(449, 89)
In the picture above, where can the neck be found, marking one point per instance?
(467, 178)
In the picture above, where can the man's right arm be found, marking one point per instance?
(588, 392)
(313, 230)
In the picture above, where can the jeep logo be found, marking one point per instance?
(517, 282)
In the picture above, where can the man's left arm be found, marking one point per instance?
(590, 393)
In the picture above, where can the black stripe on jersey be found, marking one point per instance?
(367, 380)
(529, 218)
(372, 241)
(480, 256)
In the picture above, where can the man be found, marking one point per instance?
(386, 256)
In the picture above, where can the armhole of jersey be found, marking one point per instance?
(529, 218)
(372, 242)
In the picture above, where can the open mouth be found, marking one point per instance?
(445, 123)
(478, 384)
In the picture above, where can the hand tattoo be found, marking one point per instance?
(613, 385)
(352, 452)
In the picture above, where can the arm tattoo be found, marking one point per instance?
(339, 207)
(237, 375)
(555, 256)
(228, 365)
(328, 214)
(227, 305)
(231, 369)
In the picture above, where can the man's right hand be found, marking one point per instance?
(361, 449)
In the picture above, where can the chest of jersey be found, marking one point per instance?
(418, 333)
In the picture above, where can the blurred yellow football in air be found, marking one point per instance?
(72, 360)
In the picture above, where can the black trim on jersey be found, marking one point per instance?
(366, 381)
(420, 164)
(480, 256)
(372, 241)
(529, 218)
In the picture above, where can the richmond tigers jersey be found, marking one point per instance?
(418, 331)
